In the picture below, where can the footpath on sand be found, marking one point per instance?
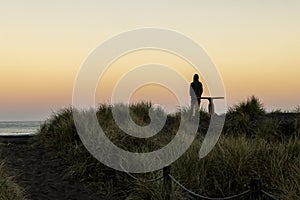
(40, 171)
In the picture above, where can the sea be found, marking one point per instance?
(19, 127)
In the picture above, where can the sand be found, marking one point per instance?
(40, 171)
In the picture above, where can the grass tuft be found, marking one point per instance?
(9, 190)
(253, 146)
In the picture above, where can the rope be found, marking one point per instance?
(207, 198)
(195, 194)
(269, 195)
(144, 180)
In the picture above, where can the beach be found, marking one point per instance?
(42, 173)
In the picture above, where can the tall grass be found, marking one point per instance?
(252, 107)
(252, 147)
(235, 160)
(9, 190)
(242, 118)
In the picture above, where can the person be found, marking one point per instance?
(196, 90)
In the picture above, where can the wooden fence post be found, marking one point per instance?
(256, 189)
(167, 188)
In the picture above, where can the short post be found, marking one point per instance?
(167, 187)
(256, 189)
(211, 106)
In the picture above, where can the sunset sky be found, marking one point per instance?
(255, 45)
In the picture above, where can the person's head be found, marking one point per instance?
(196, 77)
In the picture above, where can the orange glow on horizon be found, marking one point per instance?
(254, 44)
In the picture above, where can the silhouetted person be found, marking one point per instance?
(197, 88)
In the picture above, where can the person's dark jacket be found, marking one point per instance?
(197, 87)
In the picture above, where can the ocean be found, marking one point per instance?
(19, 127)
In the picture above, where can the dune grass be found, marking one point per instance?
(252, 146)
(9, 190)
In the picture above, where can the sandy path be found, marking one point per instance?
(41, 173)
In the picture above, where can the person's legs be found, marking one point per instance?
(199, 101)
(194, 106)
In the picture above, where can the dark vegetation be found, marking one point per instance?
(9, 190)
(254, 144)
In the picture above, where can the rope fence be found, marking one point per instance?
(256, 191)
(269, 195)
(207, 198)
(142, 180)
(145, 180)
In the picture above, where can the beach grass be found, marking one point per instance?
(254, 144)
(9, 190)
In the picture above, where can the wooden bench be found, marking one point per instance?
(211, 106)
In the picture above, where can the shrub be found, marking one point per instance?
(9, 190)
(244, 117)
(225, 171)
(251, 107)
